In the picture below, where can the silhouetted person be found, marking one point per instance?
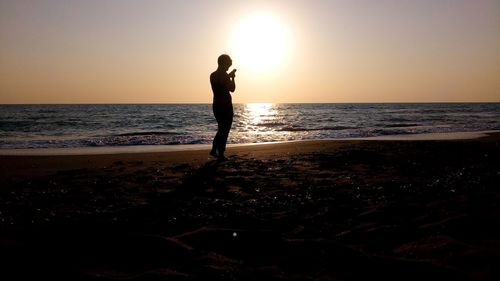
(222, 84)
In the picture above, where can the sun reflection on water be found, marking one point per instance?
(260, 122)
(257, 113)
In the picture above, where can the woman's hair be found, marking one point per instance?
(224, 59)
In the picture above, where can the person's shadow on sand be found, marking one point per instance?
(202, 178)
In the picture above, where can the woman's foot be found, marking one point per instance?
(222, 158)
(214, 153)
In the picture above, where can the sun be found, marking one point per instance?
(260, 42)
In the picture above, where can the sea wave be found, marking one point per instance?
(53, 126)
(148, 133)
(327, 128)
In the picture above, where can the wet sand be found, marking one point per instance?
(327, 210)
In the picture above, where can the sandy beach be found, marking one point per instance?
(309, 210)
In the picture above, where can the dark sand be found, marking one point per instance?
(327, 210)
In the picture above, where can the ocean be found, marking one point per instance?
(101, 125)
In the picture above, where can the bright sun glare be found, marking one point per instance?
(258, 111)
(260, 43)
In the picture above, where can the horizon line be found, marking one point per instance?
(194, 103)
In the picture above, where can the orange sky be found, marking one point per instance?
(149, 51)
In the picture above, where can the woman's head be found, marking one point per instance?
(224, 61)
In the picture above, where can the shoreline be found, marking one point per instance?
(110, 150)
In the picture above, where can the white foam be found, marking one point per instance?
(433, 136)
(191, 147)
